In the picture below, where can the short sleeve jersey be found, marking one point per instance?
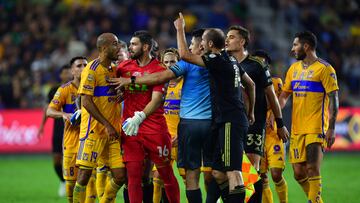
(195, 99)
(138, 96)
(64, 100)
(94, 83)
(58, 122)
(172, 106)
(309, 87)
(225, 84)
(259, 73)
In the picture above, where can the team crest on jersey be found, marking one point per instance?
(276, 148)
(73, 97)
(90, 77)
(212, 55)
(294, 74)
(310, 74)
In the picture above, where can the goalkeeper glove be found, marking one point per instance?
(76, 118)
(131, 125)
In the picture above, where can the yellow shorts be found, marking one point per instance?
(274, 153)
(69, 166)
(298, 143)
(92, 149)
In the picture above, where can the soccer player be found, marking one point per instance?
(100, 120)
(58, 130)
(274, 149)
(236, 42)
(103, 174)
(194, 132)
(143, 105)
(63, 106)
(312, 83)
(229, 114)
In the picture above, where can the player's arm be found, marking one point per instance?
(283, 98)
(42, 124)
(250, 91)
(184, 52)
(54, 113)
(151, 79)
(89, 105)
(333, 111)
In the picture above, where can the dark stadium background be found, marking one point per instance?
(37, 37)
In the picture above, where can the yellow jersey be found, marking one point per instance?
(172, 106)
(309, 87)
(94, 83)
(64, 100)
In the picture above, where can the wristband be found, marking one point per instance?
(133, 78)
(279, 122)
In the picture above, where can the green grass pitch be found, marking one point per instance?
(31, 178)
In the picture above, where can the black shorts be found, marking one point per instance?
(58, 134)
(255, 140)
(194, 143)
(229, 149)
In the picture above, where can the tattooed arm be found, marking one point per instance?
(333, 110)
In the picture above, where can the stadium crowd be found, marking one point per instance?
(38, 37)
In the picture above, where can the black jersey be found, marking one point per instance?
(259, 73)
(225, 88)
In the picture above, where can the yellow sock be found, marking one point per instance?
(79, 193)
(315, 189)
(304, 183)
(282, 190)
(157, 190)
(100, 183)
(267, 196)
(111, 189)
(69, 187)
(91, 190)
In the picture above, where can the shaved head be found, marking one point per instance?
(104, 40)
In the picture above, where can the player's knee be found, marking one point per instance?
(84, 176)
(119, 176)
(276, 175)
(313, 169)
(264, 177)
(219, 176)
(192, 179)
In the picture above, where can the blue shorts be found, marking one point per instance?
(194, 143)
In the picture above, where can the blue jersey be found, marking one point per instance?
(195, 95)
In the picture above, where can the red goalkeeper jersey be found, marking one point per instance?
(138, 96)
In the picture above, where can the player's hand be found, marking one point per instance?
(76, 118)
(119, 82)
(67, 116)
(283, 133)
(131, 125)
(119, 95)
(251, 118)
(330, 137)
(40, 132)
(180, 22)
(111, 132)
(174, 141)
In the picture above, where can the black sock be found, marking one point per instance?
(213, 192)
(194, 196)
(237, 195)
(164, 198)
(224, 191)
(257, 196)
(59, 173)
(126, 195)
(148, 191)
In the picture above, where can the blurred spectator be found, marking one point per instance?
(38, 37)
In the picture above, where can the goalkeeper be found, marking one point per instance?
(63, 106)
(144, 127)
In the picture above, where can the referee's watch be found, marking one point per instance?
(133, 78)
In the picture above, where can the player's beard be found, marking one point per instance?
(301, 55)
(136, 55)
